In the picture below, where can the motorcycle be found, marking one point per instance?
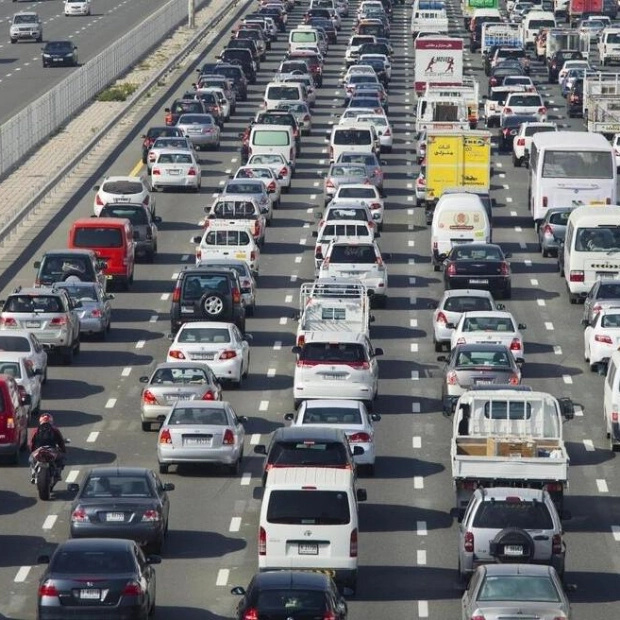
(46, 472)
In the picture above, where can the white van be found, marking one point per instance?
(611, 401)
(429, 20)
(309, 521)
(273, 139)
(569, 169)
(302, 37)
(358, 138)
(277, 93)
(609, 46)
(458, 218)
(591, 249)
(532, 23)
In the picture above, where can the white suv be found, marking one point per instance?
(524, 103)
(353, 258)
(26, 25)
(338, 365)
(494, 103)
(523, 140)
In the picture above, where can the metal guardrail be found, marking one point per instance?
(44, 116)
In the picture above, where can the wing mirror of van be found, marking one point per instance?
(567, 407)
(361, 494)
(289, 417)
(260, 449)
(37, 264)
(522, 326)
(296, 350)
(197, 239)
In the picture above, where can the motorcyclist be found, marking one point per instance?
(47, 435)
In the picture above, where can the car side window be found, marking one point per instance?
(140, 559)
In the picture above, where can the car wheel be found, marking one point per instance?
(77, 347)
(44, 381)
(235, 468)
(369, 469)
(249, 311)
(512, 536)
(13, 40)
(67, 356)
(146, 427)
(213, 305)
(163, 468)
(237, 383)
(508, 292)
(545, 253)
(150, 256)
(247, 368)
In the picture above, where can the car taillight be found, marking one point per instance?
(191, 172)
(545, 202)
(228, 354)
(47, 589)
(229, 438)
(331, 152)
(451, 270)
(441, 318)
(256, 228)
(59, 320)
(262, 549)
(506, 131)
(8, 321)
(556, 544)
(301, 341)
(236, 295)
(133, 588)
(478, 617)
(307, 118)
(360, 437)
(596, 308)
(148, 398)
(208, 129)
(504, 269)
(79, 515)
(177, 355)
(330, 183)
(515, 345)
(151, 516)
(542, 110)
(209, 395)
(547, 230)
(284, 172)
(96, 314)
(169, 119)
(353, 544)
(576, 276)
(507, 111)
(98, 201)
(603, 339)
(468, 542)
(521, 142)
(514, 380)
(387, 132)
(493, 81)
(250, 614)
(164, 436)
(252, 255)
(155, 171)
(329, 615)
(451, 378)
(176, 294)
(271, 187)
(375, 205)
(574, 99)
(461, 340)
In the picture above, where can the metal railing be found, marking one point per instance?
(44, 116)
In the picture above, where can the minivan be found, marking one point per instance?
(269, 139)
(302, 37)
(309, 521)
(360, 138)
(112, 240)
(277, 93)
(14, 406)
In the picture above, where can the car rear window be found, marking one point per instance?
(159, 132)
(58, 265)
(17, 344)
(359, 214)
(289, 602)
(103, 237)
(524, 100)
(351, 137)
(234, 209)
(92, 562)
(198, 119)
(609, 291)
(559, 218)
(359, 254)
(487, 359)
(487, 324)
(271, 137)
(80, 292)
(345, 230)
(333, 353)
(309, 507)
(496, 514)
(532, 131)
(117, 486)
(467, 304)
(227, 237)
(368, 159)
(245, 187)
(182, 107)
(122, 188)
(356, 192)
(197, 416)
(332, 415)
(195, 286)
(303, 37)
(607, 320)
(204, 335)
(518, 588)
(180, 376)
(290, 93)
(33, 303)
(174, 158)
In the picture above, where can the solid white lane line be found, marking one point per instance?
(140, 344)
(245, 479)
(22, 574)
(418, 482)
(49, 522)
(92, 437)
(601, 485)
(72, 476)
(222, 577)
(421, 528)
(423, 609)
(588, 444)
(235, 524)
(254, 439)
(126, 371)
(421, 557)
(110, 403)
(417, 442)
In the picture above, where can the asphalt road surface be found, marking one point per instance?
(408, 540)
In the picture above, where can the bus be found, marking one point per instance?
(570, 169)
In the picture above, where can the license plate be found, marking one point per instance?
(108, 277)
(197, 441)
(33, 323)
(173, 172)
(605, 275)
(308, 549)
(203, 356)
(482, 382)
(240, 255)
(478, 281)
(513, 550)
(176, 396)
(186, 310)
(114, 516)
(90, 595)
(334, 377)
(57, 59)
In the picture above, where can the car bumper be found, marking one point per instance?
(103, 612)
(25, 35)
(470, 563)
(334, 390)
(369, 456)
(154, 413)
(386, 141)
(482, 282)
(442, 334)
(143, 534)
(204, 140)
(224, 369)
(180, 181)
(7, 449)
(92, 326)
(169, 455)
(77, 11)
(341, 576)
(600, 352)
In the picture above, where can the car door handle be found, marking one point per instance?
(540, 537)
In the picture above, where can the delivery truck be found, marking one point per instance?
(438, 62)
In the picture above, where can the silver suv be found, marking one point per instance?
(509, 525)
(26, 25)
(49, 313)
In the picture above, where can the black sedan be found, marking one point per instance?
(480, 266)
(509, 128)
(157, 132)
(121, 502)
(502, 70)
(57, 53)
(97, 578)
(284, 594)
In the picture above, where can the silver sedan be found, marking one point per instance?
(175, 168)
(201, 129)
(171, 382)
(201, 432)
(96, 311)
(339, 174)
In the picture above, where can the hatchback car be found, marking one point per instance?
(552, 230)
(201, 129)
(176, 169)
(340, 174)
(121, 502)
(301, 446)
(303, 594)
(95, 311)
(175, 381)
(349, 415)
(201, 432)
(107, 577)
(508, 525)
(362, 194)
(221, 345)
(58, 53)
(601, 337)
(123, 189)
(476, 364)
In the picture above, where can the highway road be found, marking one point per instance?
(22, 77)
(408, 540)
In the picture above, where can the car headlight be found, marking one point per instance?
(46, 56)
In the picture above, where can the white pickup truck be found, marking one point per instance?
(509, 437)
(334, 305)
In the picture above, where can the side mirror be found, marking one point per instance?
(167, 110)
(157, 219)
(169, 486)
(296, 350)
(500, 307)
(372, 318)
(522, 326)
(37, 264)
(378, 352)
(260, 449)
(43, 559)
(442, 358)
(197, 239)
(315, 234)
(37, 372)
(96, 188)
(102, 264)
(153, 559)
(170, 336)
(507, 255)
(143, 379)
(456, 513)
(361, 495)
(375, 417)
(238, 590)
(110, 296)
(585, 322)
(567, 408)
(289, 417)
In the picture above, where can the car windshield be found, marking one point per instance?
(204, 335)
(25, 19)
(116, 486)
(286, 602)
(333, 353)
(11, 368)
(179, 376)
(477, 254)
(498, 514)
(108, 562)
(198, 416)
(467, 304)
(33, 303)
(332, 415)
(17, 344)
(122, 188)
(136, 215)
(308, 507)
(487, 324)
(486, 359)
(519, 588)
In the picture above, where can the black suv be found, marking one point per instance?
(60, 265)
(207, 294)
(243, 58)
(234, 73)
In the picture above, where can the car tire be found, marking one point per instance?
(163, 468)
(512, 536)
(250, 310)
(247, 369)
(369, 470)
(516, 161)
(237, 384)
(508, 292)
(235, 468)
(13, 40)
(67, 356)
(77, 346)
(438, 346)
(150, 256)
(213, 305)
(146, 427)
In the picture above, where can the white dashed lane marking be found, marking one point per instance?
(417, 442)
(92, 437)
(421, 528)
(235, 524)
(49, 522)
(22, 574)
(601, 485)
(222, 577)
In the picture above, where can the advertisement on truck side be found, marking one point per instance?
(438, 61)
